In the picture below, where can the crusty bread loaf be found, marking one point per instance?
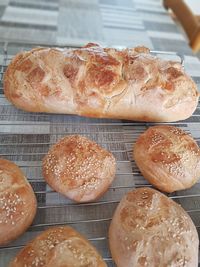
(168, 158)
(17, 202)
(58, 247)
(100, 82)
(79, 168)
(149, 229)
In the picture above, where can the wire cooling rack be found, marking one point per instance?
(26, 137)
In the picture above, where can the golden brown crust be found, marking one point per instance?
(79, 168)
(100, 82)
(17, 202)
(168, 158)
(150, 230)
(58, 247)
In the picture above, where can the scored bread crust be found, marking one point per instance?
(149, 229)
(17, 202)
(100, 82)
(79, 168)
(168, 158)
(58, 247)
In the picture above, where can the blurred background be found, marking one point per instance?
(168, 25)
(161, 25)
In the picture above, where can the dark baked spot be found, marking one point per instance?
(70, 72)
(107, 60)
(130, 217)
(36, 75)
(16, 94)
(138, 73)
(135, 71)
(173, 73)
(168, 85)
(44, 90)
(164, 157)
(99, 57)
(193, 147)
(156, 218)
(131, 196)
(25, 66)
(101, 77)
(141, 198)
(142, 261)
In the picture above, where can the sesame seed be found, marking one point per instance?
(81, 163)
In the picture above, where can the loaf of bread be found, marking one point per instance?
(168, 158)
(58, 247)
(149, 229)
(101, 82)
(17, 202)
(79, 168)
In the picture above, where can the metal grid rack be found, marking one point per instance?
(26, 137)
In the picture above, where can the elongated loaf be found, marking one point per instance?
(149, 229)
(101, 82)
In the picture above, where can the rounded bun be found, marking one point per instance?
(79, 168)
(17, 202)
(149, 229)
(59, 247)
(168, 158)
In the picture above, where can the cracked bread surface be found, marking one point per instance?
(100, 82)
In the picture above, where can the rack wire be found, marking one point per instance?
(26, 137)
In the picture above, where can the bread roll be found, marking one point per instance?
(79, 168)
(17, 202)
(150, 230)
(58, 247)
(168, 158)
(100, 82)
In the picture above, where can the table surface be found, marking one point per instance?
(110, 22)
(26, 137)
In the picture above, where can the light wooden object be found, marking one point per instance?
(189, 21)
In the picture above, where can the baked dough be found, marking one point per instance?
(58, 247)
(17, 202)
(101, 82)
(79, 168)
(168, 158)
(149, 229)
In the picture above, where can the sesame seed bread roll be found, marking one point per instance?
(101, 82)
(17, 202)
(168, 158)
(58, 247)
(149, 229)
(79, 168)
